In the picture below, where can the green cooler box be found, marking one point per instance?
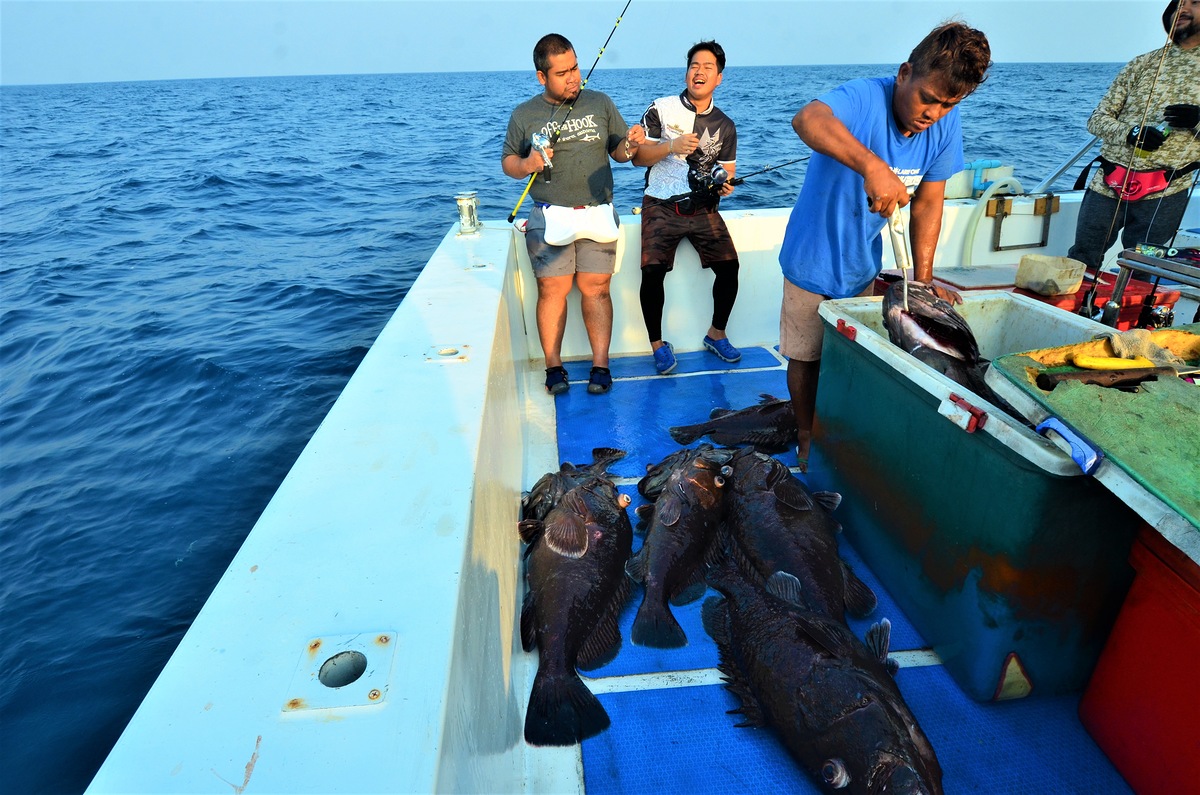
(1008, 559)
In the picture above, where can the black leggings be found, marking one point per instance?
(653, 296)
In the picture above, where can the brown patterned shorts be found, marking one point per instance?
(663, 226)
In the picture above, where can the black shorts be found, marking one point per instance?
(663, 226)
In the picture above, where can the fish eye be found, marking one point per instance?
(720, 481)
(835, 774)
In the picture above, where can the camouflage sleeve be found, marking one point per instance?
(1105, 121)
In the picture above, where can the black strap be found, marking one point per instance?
(1081, 181)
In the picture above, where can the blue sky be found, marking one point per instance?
(61, 41)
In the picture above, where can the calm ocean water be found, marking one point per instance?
(189, 273)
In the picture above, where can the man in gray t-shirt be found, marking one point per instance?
(584, 129)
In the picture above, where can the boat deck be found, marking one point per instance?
(670, 731)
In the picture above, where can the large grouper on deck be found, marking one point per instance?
(769, 426)
(774, 523)
(830, 698)
(575, 572)
(681, 537)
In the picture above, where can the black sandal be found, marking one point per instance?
(600, 381)
(556, 380)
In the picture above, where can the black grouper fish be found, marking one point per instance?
(933, 332)
(670, 564)
(551, 486)
(769, 426)
(575, 571)
(773, 523)
(658, 474)
(829, 697)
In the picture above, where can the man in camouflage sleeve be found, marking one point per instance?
(1148, 121)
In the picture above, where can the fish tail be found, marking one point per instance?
(686, 434)
(655, 626)
(562, 711)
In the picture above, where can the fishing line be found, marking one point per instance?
(557, 131)
(1088, 306)
(740, 180)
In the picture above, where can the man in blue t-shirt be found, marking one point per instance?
(877, 145)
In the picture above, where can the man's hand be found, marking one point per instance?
(636, 135)
(1182, 117)
(885, 191)
(685, 144)
(946, 294)
(1145, 138)
(534, 162)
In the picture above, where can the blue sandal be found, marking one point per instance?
(664, 358)
(723, 349)
(556, 380)
(600, 381)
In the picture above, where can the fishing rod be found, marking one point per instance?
(554, 136)
(740, 180)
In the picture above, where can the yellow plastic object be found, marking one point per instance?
(1109, 362)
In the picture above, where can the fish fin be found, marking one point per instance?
(791, 492)
(769, 440)
(861, 601)
(668, 509)
(528, 623)
(606, 454)
(566, 531)
(717, 413)
(765, 398)
(785, 586)
(602, 457)
(744, 564)
(878, 639)
(602, 645)
(714, 615)
(750, 710)
(562, 711)
(692, 590)
(829, 500)
(635, 567)
(891, 665)
(645, 512)
(716, 550)
(655, 626)
(825, 633)
(530, 529)
(686, 434)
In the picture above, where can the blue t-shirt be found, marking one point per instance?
(832, 245)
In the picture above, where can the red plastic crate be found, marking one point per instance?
(1132, 299)
(1142, 703)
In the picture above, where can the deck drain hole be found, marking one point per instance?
(448, 352)
(342, 668)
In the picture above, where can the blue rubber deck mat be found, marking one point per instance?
(635, 415)
(680, 739)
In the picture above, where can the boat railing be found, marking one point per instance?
(1045, 184)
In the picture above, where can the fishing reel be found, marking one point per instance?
(541, 142)
(710, 182)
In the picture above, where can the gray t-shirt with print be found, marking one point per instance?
(581, 173)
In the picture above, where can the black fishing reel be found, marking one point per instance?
(707, 182)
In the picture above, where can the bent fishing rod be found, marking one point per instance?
(554, 136)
